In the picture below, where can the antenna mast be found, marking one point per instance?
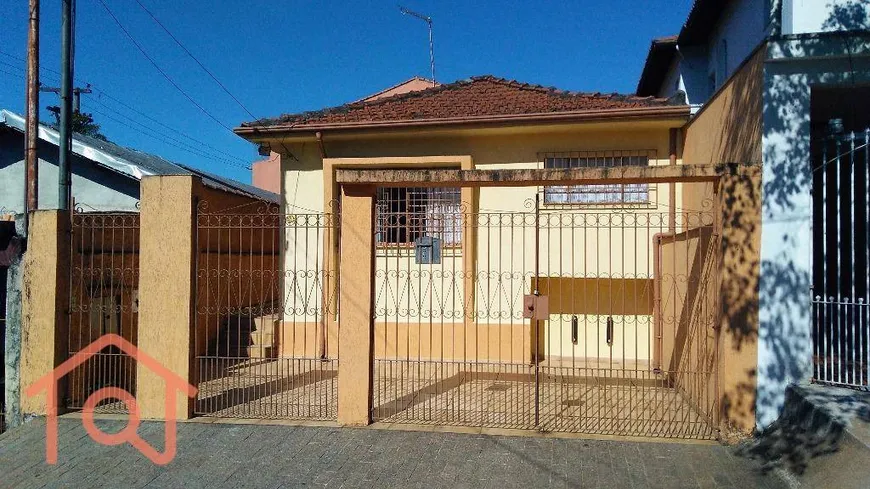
(428, 20)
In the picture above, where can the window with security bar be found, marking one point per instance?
(406, 214)
(630, 193)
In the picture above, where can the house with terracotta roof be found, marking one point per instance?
(266, 173)
(540, 259)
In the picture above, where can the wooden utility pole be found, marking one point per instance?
(31, 130)
(67, 19)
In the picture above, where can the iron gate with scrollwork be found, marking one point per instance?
(266, 342)
(624, 340)
(104, 283)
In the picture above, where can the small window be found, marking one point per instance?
(405, 215)
(633, 193)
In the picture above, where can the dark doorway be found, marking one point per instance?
(840, 125)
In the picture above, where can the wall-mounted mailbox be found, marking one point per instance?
(536, 307)
(427, 250)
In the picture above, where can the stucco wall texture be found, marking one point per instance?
(517, 148)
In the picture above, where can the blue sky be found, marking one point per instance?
(290, 56)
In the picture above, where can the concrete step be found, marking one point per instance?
(821, 440)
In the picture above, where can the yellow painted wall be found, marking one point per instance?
(688, 280)
(727, 130)
(412, 294)
(45, 298)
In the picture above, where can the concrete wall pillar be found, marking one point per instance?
(45, 305)
(166, 289)
(356, 306)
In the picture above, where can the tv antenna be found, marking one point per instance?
(428, 20)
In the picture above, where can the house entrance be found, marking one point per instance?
(562, 316)
(104, 284)
(266, 337)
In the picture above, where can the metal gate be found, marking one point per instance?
(841, 257)
(266, 334)
(104, 283)
(555, 318)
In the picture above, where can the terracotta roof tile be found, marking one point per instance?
(478, 96)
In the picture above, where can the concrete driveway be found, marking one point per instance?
(218, 455)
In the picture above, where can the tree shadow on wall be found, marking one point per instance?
(785, 345)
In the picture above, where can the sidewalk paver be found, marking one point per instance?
(219, 455)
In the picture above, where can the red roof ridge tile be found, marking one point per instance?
(410, 113)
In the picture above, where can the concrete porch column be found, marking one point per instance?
(356, 306)
(45, 306)
(166, 290)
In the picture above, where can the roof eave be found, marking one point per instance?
(701, 19)
(660, 56)
(660, 112)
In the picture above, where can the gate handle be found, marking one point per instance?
(574, 329)
(609, 331)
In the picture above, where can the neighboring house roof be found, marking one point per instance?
(702, 18)
(658, 61)
(413, 85)
(133, 163)
(479, 99)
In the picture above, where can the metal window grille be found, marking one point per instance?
(841, 259)
(633, 193)
(407, 214)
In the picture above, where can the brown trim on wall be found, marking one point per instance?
(532, 177)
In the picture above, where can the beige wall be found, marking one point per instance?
(737, 205)
(435, 301)
(45, 298)
(165, 289)
(728, 128)
(686, 316)
(185, 288)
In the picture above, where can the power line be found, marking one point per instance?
(17, 75)
(159, 69)
(187, 149)
(18, 58)
(103, 93)
(195, 59)
(160, 136)
(210, 74)
(164, 136)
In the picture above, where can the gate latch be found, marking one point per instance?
(536, 307)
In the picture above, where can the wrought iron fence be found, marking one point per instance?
(626, 343)
(841, 260)
(266, 335)
(104, 284)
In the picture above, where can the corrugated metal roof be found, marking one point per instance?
(134, 163)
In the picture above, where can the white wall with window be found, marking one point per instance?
(811, 16)
(742, 27)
